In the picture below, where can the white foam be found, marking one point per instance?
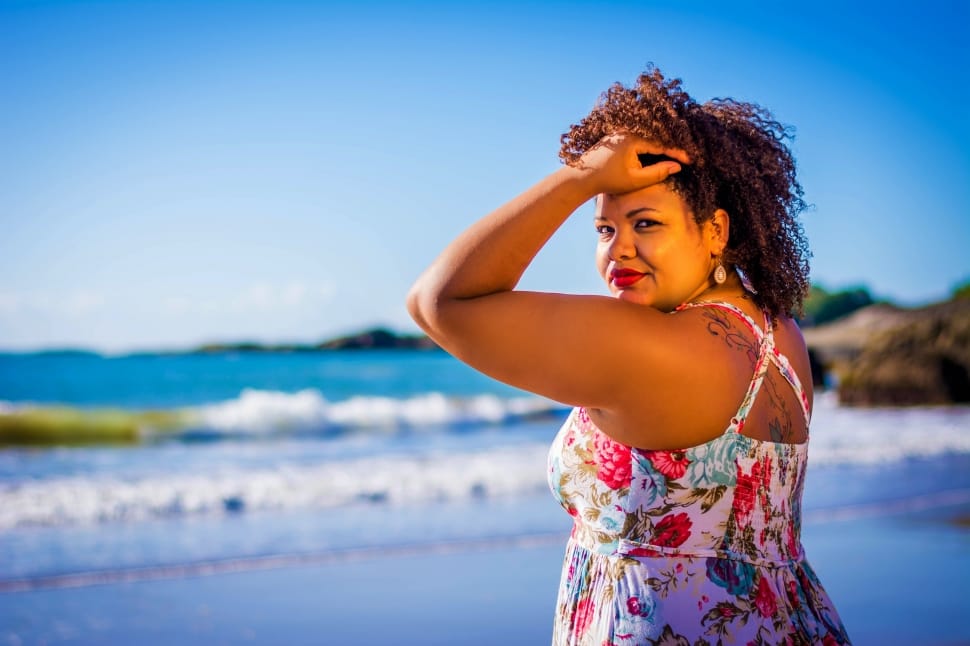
(261, 411)
(839, 436)
(879, 435)
(383, 480)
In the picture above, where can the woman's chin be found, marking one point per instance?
(631, 296)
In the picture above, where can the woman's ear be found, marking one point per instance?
(718, 232)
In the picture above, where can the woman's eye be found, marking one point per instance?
(646, 224)
(604, 230)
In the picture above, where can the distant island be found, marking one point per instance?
(378, 338)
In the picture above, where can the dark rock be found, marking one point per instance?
(925, 360)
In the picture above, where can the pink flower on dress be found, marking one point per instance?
(745, 492)
(584, 615)
(672, 530)
(633, 605)
(673, 464)
(790, 541)
(614, 461)
(793, 594)
(765, 485)
(764, 599)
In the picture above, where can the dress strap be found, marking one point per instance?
(785, 368)
(767, 354)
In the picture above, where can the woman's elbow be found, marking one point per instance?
(422, 305)
(414, 303)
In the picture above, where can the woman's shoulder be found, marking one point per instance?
(716, 353)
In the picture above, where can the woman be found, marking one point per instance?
(684, 459)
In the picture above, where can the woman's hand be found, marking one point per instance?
(612, 166)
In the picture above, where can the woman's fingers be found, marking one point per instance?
(621, 162)
(677, 154)
(656, 173)
(649, 150)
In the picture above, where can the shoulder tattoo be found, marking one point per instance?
(720, 324)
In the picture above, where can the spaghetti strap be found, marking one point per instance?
(767, 354)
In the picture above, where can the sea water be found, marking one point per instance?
(306, 457)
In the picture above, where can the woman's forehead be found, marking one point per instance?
(658, 198)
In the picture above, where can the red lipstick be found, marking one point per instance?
(623, 278)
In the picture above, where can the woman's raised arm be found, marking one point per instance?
(466, 301)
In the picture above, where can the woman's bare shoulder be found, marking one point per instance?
(716, 356)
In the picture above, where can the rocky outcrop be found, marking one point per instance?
(841, 341)
(918, 356)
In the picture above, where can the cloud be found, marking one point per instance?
(267, 296)
(10, 303)
(82, 302)
(261, 296)
(78, 302)
(176, 305)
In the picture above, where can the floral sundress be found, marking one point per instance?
(691, 547)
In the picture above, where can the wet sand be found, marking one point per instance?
(897, 578)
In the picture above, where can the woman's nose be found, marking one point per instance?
(621, 247)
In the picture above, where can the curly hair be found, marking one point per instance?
(739, 162)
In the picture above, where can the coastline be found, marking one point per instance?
(897, 560)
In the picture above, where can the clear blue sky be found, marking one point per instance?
(173, 173)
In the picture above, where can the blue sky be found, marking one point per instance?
(173, 173)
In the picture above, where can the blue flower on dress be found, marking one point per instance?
(714, 462)
(646, 483)
(734, 576)
(609, 523)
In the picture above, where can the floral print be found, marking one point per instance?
(693, 547)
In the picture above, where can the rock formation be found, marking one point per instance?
(885, 355)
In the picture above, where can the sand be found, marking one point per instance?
(897, 578)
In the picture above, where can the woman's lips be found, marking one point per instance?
(623, 278)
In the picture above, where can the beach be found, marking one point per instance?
(490, 591)
(396, 498)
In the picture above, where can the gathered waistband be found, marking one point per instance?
(636, 549)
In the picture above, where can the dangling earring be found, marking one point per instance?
(720, 273)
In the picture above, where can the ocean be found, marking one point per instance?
(261, 460)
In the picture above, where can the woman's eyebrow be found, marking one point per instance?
(640, 210)
(635, 212)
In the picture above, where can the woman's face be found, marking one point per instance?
(650, 249)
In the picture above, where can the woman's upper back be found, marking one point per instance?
(735, 495)
(731, 357)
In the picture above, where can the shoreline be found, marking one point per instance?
(932, 504)
(485, 591)
(218, 567)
